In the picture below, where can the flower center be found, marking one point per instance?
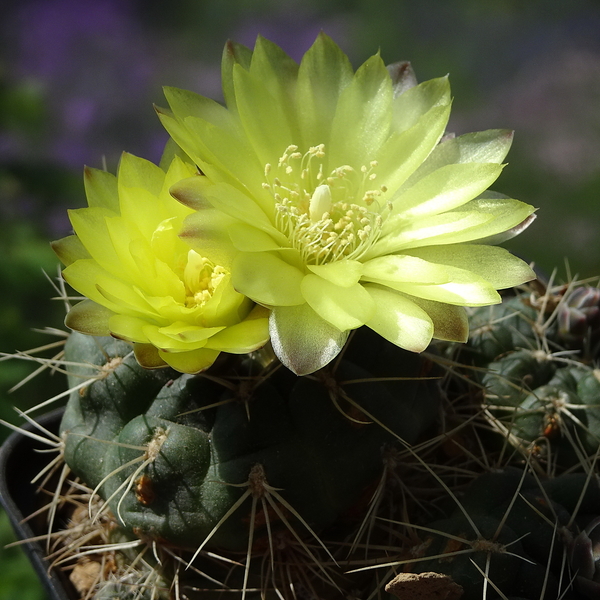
(326, 218)
(200, 277)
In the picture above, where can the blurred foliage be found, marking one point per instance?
(24, 245)
(77, 83)
(16, 570)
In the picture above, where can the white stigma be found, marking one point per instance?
(320, 203)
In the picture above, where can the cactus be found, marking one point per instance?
(255, 465)
(526, 532)
(186, 460)
(541, 385)
(514, 533)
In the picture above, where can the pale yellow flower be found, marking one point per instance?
(143, 283)
(344, 204)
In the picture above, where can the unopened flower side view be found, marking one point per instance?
(302, 367)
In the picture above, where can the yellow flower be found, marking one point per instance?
(344, 204)
(143, 283)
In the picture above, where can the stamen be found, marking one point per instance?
(201, 277)
(326, 218)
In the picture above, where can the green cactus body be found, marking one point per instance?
(501, 328)
(545, 396)
(524, 534)
(173, 453)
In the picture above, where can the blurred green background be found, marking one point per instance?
(78, 79)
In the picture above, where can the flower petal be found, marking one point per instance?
(450, 322)
(129, 299)
(399, 320)
(192, 362)
(233, 54)
(403, 77)
(178, 337)
(264, 120)
(489, 146)
(403, 268)
(446, 188)
(302, 340)
(130, 329)
(191, 191)
(509, 234)
(363, 117)
(496, 265)
(267, 279)
(247, 336)
(101, 189)
(148, 356)
(240, 206)
(206, 232)
(135, 172)
(344, 273)
(411, 105)
(404, 151)
(278, 73)
(475, 220)
(82, 276)
(464, 289)
(69, 249)
(247, 238)
(89, 317)
(186, 104)
(222, 155)
(324, 72)
(90, 226)
(343, 307)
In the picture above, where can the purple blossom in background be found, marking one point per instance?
(98, 67)
(94, 66)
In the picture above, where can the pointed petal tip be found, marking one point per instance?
(232, 50)
(188, 192)
(161, 111)
(302, 341)
(499, 238)
(403, 76)
(508, 135)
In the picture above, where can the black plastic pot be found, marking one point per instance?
(20, 461)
